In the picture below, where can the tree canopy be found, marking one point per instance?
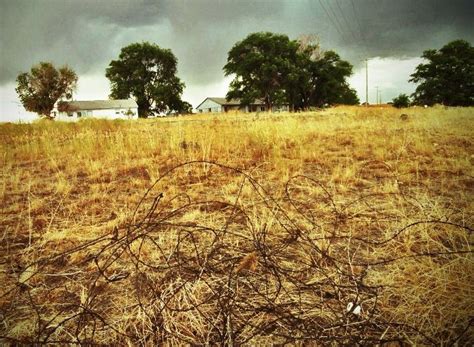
(40, 88)
(278, 70)
(447, 77)
(328, 83)
(261, 63)
(147, 73)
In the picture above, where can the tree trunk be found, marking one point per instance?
(268, 103)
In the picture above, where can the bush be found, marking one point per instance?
(401, 101)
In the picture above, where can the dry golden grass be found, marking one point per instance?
(325, 208)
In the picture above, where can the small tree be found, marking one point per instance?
(401, 101)
(185, 108)
(40, 88)
(129, 113)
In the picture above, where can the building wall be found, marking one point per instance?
(283, 108)
(209, 106)
(234, 108)
(118, 113)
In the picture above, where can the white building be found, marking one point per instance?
(212, 105)
(110, 109)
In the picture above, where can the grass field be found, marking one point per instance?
(254, 229)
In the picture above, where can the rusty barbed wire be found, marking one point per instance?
(293, 269)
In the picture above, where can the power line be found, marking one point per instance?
(339, 28)
(349, 27)
(361, 39)
(336, 17)
(346, 21)
(361, 32)
(378, 95)
(331, 19)
(366, 83)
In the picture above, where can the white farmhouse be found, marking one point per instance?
(110, 109)
(220, 105)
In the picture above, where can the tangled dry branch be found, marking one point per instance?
(236, 270)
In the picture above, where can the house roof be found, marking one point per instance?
(231, 102)
(99, 104)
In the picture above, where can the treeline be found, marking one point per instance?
(266, 66)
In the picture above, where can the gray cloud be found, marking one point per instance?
(87, 34)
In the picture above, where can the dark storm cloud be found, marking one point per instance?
(87, 34)
(79, 33)
(407, 27)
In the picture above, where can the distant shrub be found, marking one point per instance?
(401, 101)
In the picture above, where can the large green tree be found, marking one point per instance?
(319, 78)
(279, 70)
(447, 77)
(261, 64)
(40, 88)
(327, 81)
(147, 73)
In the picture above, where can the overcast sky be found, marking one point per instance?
(88, 34)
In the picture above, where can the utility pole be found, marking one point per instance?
(366, 83)
(377, 94)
